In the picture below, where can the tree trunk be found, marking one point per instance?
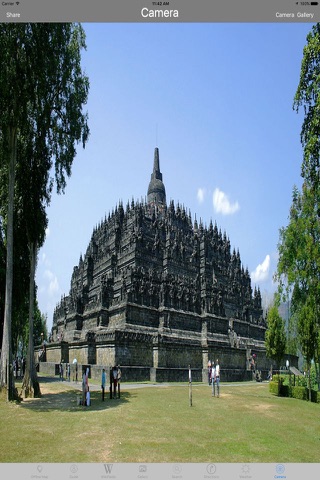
(6, 370)
(316, 364)
(309, 383)
(279, 378)
(30, 386)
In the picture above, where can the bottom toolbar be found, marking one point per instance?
(159, 471)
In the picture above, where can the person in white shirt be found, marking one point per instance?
(218, 377)
(84, 389)
(213, 379)
(88, 402)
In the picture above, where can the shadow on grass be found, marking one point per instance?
(67, 402)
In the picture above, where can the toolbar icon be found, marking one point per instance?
(280, 468)
(108, 467)
(211, 468)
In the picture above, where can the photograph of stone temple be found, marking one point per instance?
(156, 292)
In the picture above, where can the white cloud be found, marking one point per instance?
(45, 260)
(200, 194)
(222, 204)
(53, 285)
(262, 271)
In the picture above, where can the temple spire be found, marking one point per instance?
(156, 189)
(156, 165)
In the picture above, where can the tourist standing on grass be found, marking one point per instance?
(213, 379)
(218, 377)
(84, 388)
(115, 380)
(87, 380)
(88, 400)
(118, 380)
(209, 372)
(103, 382)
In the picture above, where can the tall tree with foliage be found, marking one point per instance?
(275, 338)
(20, 277)
(32, 196)
(41, 121)
(10, 120)
(20, 284)
(299, 246)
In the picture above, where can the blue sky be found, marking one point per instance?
(217, 101)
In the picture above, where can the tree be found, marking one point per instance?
(298, 270)
(32, 176)
(40, 328)
(20, 274)
(275, 338)
(43, 90)
(308, 334)
(299, 247)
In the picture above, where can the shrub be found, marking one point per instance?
(273, 387)
(283, 390)
(300, 393)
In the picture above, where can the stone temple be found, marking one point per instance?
(156, 292)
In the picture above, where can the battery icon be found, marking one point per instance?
(314, 3)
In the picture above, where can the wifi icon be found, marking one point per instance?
(17, 3)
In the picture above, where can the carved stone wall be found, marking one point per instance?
(156, 261)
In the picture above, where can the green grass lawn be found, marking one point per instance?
(156, 424)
